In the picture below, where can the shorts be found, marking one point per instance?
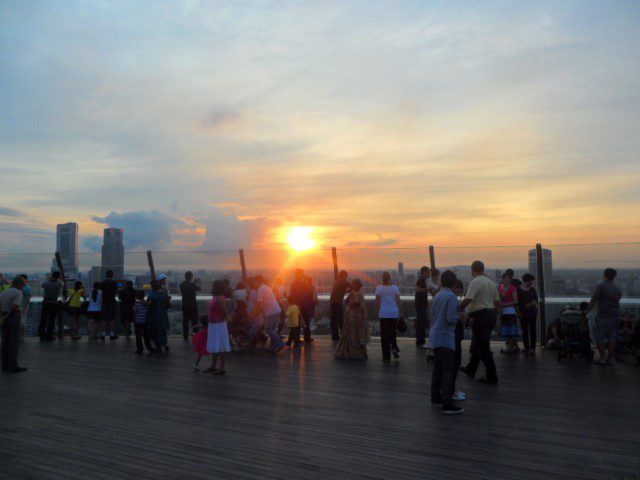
(97, 316)
(606, 329)
(74, 311)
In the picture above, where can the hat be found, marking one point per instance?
(162, 276)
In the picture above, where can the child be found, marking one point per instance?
(141, 312)
(623, 335)
(200, 342)
(293, 315)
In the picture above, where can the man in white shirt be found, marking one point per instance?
(267, 304)
(481, 300)
(10, 305)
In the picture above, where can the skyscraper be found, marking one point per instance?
(67, 242)
(113, 252)
(547, 267)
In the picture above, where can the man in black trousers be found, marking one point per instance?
(10, 304)
(481, 300)
(50, 307)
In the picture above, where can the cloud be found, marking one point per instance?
(10, 212)
(227, 232)
(151, 229)
(92, 242)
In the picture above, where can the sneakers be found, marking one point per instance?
(395, 352)
(452, 410)
(459, 396)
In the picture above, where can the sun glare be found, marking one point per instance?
(301, 239)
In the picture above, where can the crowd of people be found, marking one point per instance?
(263, 308)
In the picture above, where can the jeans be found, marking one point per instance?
(483, 322)
(337, 319)
(142, 333)
(189, 314)
(443, 377)
(48, 317)
(9, 344)
(528, 323)
(388, 336)
(270, 329)
(422, 324)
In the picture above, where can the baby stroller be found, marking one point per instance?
(575, 335)
(243, 334)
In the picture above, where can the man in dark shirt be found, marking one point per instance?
(421, 302)
(109, 306)
(50, 307)
(340, 288)
(127, 297)
(299, 295)
(606, 298)
(189, 289)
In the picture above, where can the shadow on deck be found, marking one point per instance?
(102, 412)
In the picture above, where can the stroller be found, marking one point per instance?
(243, 333)
(575, 335)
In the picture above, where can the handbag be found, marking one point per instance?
(401, 325)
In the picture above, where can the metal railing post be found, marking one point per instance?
(541, 293)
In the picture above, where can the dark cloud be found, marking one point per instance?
(10, 212)
(151, 229)
(226, 232)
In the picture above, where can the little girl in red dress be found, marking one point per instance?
(200, 343)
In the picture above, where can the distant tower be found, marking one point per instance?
(113, 252)
(498, 275)
(67, 243)
(400, 269)
(547, 267)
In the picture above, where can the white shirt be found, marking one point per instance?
(9, 298)
(267, 301)
(388, 305)
(240, 294)
(97, 305)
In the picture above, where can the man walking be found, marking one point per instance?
(606, 297)
(340, 288)
(189, 290)
(442, 339)
(50, 307)
(481, 300)
(109, 306)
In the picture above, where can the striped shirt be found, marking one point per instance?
(141, 310)
(444, 316)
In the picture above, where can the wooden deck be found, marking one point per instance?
(101, 412)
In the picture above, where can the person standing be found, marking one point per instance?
(356, 332)
(606, 298)
(388, 308)
(189, 290)
(528, 312)
(109, 289)
(267, 305)
(76, 296)
(10, 304)
(340, 288)
(50, 306)
(508, 317)
(421, 303)
(26, 301)
(217, 333)
(481, 300)
(127, 297)
(444, 316)
(160, 302)
(94, 312)
(299, 295)
(141, 312)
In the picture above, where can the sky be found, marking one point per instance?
(217, 125)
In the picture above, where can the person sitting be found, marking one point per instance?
(554, 335)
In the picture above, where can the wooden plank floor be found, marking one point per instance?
(101, 412)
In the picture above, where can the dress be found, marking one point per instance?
(217, 333)
(200, 342)
(355, 330)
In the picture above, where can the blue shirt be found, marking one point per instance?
(444, 316)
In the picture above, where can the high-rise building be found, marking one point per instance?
(95, 275)
(67, 243)
(400, 269)
(113, 252)
(547, 268)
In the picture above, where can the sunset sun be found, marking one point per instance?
(301, 239)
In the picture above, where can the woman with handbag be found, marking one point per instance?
(77, 296)
(388, 308)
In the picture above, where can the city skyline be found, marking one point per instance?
(209, 128)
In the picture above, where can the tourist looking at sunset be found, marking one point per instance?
(388, 308)
(300, 295)
(49, 309)
(267, 305)
(606, 298)
(421, 303)
(336, 307)
(481, 301)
